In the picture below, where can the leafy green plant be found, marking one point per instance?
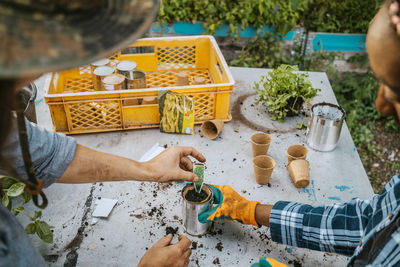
(13, 190)
(346, 16)
(356, 93)
(282, 15)
(396, 166)
(301, 125)
(284, 91)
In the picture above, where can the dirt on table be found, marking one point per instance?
(171, 230)
(193, 196)
(219, 246)
(216, 261)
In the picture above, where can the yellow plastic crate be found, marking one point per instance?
(76, 107)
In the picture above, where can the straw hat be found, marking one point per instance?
(38, 36)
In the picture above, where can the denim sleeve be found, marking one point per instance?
(51, 152)
(15, 247)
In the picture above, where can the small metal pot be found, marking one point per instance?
(325, 125)
(98, 74)
(191, 211)
(135, 79)
(113, 82)
(126, 68)
(99, 63)
(138, 80)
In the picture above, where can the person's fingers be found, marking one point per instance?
(186, 256)
(186, 263)
(187, 164)
(183, 244)
(190, 151)
(163, 242)
(187, 176)
(395, 19)
(393, 8)
(183, 167)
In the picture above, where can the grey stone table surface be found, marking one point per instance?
(144, 210)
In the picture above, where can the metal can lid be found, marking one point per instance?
(103, 71)
(114, 79)
(126, 65)
(101, 62)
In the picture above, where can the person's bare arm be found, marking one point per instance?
(89, 166)
(263, 212)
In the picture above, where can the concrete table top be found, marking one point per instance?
(144, 210)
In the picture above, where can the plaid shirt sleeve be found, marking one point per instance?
(332, 228)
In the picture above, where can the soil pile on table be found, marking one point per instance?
(171, 230)
(193, 196)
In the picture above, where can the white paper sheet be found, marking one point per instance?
(104, 207)
(152, 152)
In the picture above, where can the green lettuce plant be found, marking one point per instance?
(284, 91)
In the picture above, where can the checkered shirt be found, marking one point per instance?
(341, 228)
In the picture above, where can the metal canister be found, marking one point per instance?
(128, 68)
(113, 82)
(138, 81)
(325, 125)
(191, 211)
(98, 74)
(99, 63)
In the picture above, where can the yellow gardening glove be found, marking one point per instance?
(231, 206)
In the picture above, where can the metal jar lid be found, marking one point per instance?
(101, 62)
(103, 71)
(113, 79)
(113, 82)
(126, 65)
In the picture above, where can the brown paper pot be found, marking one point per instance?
(260, 143)
(211, 129)
(182, 78)
(296, 152)
(299, 170)
(263, 167)
(130, 102)
(149, 100)
(199, 80)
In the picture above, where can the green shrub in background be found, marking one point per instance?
(339, 16)
(347, 16)
(284, 15)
